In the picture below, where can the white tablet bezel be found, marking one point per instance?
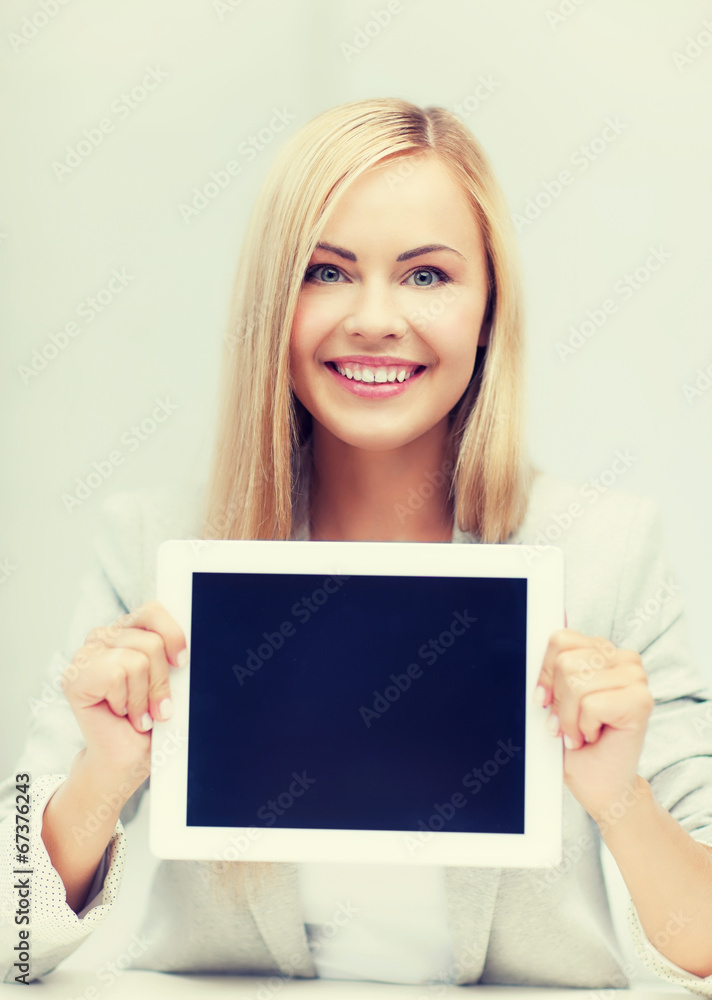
(541, 843)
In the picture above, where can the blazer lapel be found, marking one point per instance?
(471, 894)
(275, 905)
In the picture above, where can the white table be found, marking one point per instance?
(75, 984)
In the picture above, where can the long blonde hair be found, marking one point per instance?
(262, 425)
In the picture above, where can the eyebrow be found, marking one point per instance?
(406, 255)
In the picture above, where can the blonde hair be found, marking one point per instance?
(262, 425)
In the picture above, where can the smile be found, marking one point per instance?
(361, 373)
(375, 382)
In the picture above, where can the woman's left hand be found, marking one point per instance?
(599, 701)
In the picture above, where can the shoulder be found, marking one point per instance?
(133, 523)
(596, 513)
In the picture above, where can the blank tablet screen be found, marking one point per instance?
(357, 703)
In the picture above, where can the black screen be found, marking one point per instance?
(360, 702)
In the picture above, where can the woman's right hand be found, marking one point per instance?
(118, 683)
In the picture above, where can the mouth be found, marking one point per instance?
(375, 374)
(375, 381)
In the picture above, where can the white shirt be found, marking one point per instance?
(386, 923)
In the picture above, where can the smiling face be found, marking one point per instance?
(389, 316)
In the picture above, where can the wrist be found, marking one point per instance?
(631, 805)
(98, 778)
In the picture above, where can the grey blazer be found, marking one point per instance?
(538, 927)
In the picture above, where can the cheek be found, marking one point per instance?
(311, 323)
(454, 334)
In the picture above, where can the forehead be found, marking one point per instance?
(405, 201)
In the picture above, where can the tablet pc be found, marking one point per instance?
(359, 702)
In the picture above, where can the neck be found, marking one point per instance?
(394, 495)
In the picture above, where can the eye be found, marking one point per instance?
(424, 277)
(329, 273)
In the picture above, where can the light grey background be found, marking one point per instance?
(553, 84)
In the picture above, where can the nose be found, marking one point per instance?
(375, 314)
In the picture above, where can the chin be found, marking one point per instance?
(379, 439)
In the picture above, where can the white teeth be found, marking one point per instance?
(384, 373)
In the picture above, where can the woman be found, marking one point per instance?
(375, 347)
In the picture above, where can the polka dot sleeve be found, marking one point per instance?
(55, 930)
(660, 965)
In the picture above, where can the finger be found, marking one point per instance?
(561, 641)
(117, 692)
(136, 665)
(155, 617)
(151, 616)
(152, 644)
(570, 694)
(100, 680)
(625, 708)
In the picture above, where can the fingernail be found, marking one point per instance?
(182, 658)
(124, 710)
(552, 724)
(569, 743)
(146, 722)
(165, 709)
(539, 695)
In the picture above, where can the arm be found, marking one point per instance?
(669, 876)
(645, 772)
(51, 757)
(76, 851)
